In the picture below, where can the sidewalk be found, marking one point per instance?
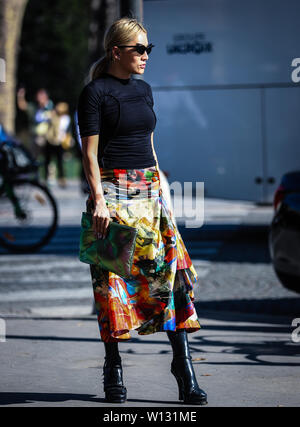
(239, 360)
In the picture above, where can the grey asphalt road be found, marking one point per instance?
(239, 360)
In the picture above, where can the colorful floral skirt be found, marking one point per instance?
(158, 296)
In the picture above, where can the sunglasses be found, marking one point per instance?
(140, 48)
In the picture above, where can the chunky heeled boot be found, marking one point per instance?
(183, 371)
(115, 391)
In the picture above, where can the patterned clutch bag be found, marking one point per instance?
(114, 253)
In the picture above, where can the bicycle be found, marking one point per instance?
(28, 210)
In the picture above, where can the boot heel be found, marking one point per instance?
(180, 386)
(193, 394)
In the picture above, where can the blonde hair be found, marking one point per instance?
(62, 108)
(120, 32)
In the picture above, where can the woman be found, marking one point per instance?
(116, 121)
(57, 135)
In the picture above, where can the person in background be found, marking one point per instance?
(39, 113)
(58, 138)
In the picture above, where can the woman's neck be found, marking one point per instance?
(120, 74)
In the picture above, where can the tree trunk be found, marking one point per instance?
(11, 17)
(102, 14)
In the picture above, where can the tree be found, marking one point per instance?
(11, 17)
(54, 48)
(50, 44)
(102, 14)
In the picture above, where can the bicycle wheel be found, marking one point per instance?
(34, 222)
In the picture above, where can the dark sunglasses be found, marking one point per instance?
(140, 48)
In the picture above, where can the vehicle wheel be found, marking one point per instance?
(289, 281)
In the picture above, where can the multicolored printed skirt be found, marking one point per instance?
(159, 295)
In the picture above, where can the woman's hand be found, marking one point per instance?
(101, 219)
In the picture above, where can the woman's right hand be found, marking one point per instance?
(101, 219)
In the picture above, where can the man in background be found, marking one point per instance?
(39, 115)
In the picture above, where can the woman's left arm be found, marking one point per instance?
(163, 184)
(154, 154)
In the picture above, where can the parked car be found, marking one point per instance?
(284, 235)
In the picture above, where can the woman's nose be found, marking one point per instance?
(145, 55)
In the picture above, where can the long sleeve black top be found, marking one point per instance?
(121, 112)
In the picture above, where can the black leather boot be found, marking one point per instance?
(114, 389)
(182, 369)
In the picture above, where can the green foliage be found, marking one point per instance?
(54, 48)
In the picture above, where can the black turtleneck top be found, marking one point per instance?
(121, 112)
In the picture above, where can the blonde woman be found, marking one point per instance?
(116, 122)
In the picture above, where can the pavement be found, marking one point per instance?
(239, 361)
(243, 355)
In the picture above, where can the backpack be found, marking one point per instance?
(14, 157)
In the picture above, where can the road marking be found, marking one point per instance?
(51, 294)
(72, 310)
